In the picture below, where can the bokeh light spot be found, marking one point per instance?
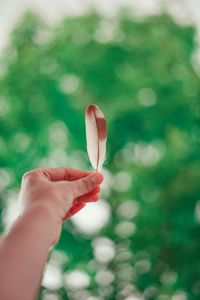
(122, 181)
(147, 97)
(92, 218)
(125, 229)
(69, 83)
(128, 209)
(76, 279)
(52, 278)
(105, 277)
(104, 249)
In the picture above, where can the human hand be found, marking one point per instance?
(60, 192)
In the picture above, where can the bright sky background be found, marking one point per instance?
(186, 11)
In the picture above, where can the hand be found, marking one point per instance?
(60, 192)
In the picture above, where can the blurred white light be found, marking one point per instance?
(69, 83)
(124, 273)
(122, 181)
(142, 266)
(179, 295)
(143, 7)
(125, 229)
(124, 255)
(197, 212)
(49, 66)
(104, 249)
(168, 277)
(58, 134)
(92, 218)
(76, 279)
(95, 298)
(182, 16)
(107, 31)
(51, 11)
(147, 97)
(128, 209)
(105, 277)
(12, 209)
(195, 59)
(58, 258)
(56, 158)
(77, 294)
(120, 159)
(107, 182)
(146, 154)
(134, 297)
(5, 177)
(43, 36)
(77, 159)
(21, 142)
(107, 8)
(4, 106)
(50, 296)
(150, 292)
(105, 291)
(52, 278)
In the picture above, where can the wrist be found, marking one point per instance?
(46, 218)
(45, 208)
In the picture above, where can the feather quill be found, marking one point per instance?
(96, 135)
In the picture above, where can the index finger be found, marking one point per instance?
(69, 174)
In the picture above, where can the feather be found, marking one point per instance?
(96, 135)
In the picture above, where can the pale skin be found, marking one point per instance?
(49, 197)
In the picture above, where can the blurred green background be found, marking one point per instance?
(142, 239)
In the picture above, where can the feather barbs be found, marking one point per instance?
(96, 135)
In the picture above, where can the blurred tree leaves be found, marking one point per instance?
(140, 73)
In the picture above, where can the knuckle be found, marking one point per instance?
(67, 174)
(87, 184)
(92, 183)
(28, 175)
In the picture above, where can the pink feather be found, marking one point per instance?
(96, 135)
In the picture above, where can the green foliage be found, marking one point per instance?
(140, 73)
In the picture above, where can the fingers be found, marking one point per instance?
(96, 190)
(80, 202)
(92, 197)
(74, 174)
(86, 184)
(57, 174)
(87, 196)
(73, 210)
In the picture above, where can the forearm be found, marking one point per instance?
(23, 253)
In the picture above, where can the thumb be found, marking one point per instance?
(86, 184)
